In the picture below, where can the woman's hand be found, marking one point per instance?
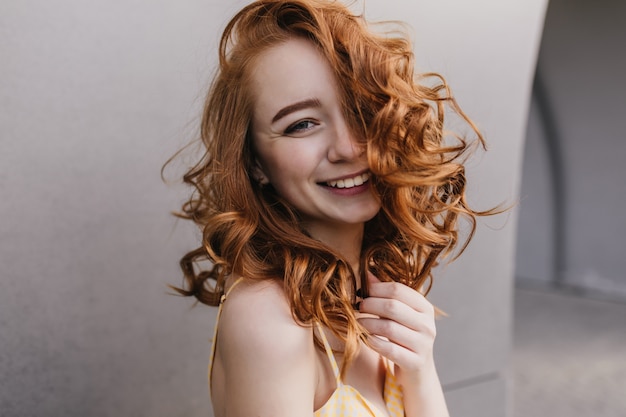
(403, 325)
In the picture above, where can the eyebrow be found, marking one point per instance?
(304, 104)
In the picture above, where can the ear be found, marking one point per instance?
(259, 175)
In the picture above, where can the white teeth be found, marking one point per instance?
(350, 182)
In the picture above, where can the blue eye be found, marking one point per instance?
(301, 126)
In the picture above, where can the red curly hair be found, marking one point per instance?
(417, 170)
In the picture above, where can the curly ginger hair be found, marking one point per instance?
(417, 170)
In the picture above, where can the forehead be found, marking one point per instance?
(290, 72)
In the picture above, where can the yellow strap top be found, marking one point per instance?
(217, 321)
(345, 401)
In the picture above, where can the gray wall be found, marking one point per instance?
(95, 96)
(582, 66)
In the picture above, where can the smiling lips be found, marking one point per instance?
(350, 182)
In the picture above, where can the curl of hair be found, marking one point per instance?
(417, 168)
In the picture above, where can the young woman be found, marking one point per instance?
(326, 195)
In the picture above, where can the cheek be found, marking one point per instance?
(289, 161)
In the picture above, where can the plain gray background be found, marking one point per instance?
(96, 95)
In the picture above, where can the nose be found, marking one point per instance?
(343, 145)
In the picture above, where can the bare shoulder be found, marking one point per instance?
(259, 312)
(267, 358)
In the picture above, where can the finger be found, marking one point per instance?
(394, 332)
(402, 293)
(406, 359)
(372, 279)
(394, 310)
(400, 313)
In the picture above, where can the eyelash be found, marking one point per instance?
(294, 127)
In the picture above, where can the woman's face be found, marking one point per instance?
(303, 144)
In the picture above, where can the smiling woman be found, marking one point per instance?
(326, 195)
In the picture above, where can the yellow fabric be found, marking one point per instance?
(345, 401)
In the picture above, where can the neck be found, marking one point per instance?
(346, 239)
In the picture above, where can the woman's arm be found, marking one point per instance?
(268, 360)
(407, 321)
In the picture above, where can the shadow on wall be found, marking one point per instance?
(571, 223)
